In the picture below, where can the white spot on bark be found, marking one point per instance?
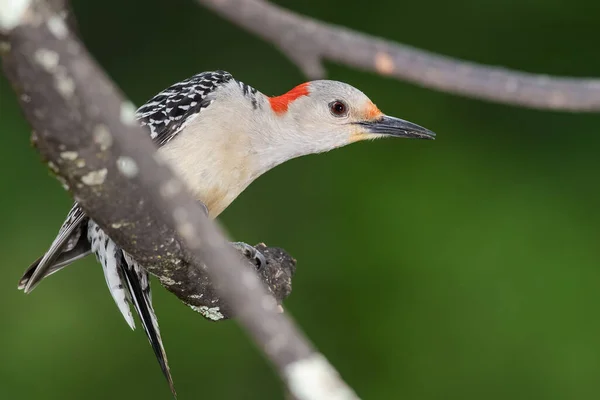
(47, 59)
(12, 13)
(315, 379)
(25, 98)
(384, 64)
(170, 188)
(102, 136)
(127, 113)
(213, 313)
(127, 166)
(63, 182)
(64, 84)
(80, 163)
(186, 230)
(94, 177)
(69, 155)
(57, 27)
(167, 281)
(118, 225)
(53, 167)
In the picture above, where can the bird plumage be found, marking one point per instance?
(219, 134)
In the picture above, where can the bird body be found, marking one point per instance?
(219, 135)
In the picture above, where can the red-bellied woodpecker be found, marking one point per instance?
(219, 135)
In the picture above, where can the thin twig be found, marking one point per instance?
(307, 42)
(88, 134)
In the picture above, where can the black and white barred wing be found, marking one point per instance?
(167, 113)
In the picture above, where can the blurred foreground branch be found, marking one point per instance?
(92, 141)
(307, 42)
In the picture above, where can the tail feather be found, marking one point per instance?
(127, 281)
(142, 304)
(70, 232)
(81, 250)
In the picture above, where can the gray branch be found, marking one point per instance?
(307, 42)
(88, 134)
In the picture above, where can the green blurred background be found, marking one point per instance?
(465, 268)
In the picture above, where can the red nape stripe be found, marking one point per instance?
(280, 104)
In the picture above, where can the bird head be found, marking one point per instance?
(322, 115)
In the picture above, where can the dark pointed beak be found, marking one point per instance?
(397, 127)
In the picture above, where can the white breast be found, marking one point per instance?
(215, 160)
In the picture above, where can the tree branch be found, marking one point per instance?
(307, 42)
(91, 140)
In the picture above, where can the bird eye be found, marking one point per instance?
(338, 108)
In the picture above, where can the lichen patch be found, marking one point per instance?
(127, 166)
(127, 113)
(57, 27)
(69, 155)
(64, 84)
(212, 313)
(94, 178)
(48, 59)
(12, 13)
(102, 137)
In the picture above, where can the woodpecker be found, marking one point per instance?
(219, 134)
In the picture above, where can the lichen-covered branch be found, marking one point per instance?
(307, 42)
(89, 136)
